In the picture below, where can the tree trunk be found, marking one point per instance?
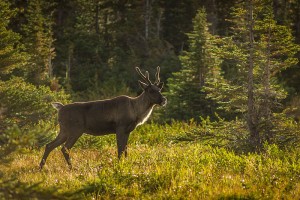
(69, 64)
(147, 17)
(267, 95)
(97, 29)
(49, 59)
(297, 24)
(252, 118)
(158, 23)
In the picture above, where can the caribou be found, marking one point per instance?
(119, 115)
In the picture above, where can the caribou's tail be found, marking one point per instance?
(57, 105)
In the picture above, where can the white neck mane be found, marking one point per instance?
(143, 109)
(145, 117)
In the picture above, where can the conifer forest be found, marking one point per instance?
(230, 127)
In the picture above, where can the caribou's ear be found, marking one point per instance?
(160, 85)
(143, 85)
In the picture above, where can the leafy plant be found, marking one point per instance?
(24, 104)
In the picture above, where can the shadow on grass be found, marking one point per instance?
(14, 189)
(237, 197)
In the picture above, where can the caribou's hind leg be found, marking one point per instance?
(60, 139)
(67, 147)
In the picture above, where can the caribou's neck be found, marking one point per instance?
(143, 108)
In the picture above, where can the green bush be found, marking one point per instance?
(234, 134)
(24, 104)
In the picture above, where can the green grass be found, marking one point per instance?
(159, 168)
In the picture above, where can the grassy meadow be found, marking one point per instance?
(159, 166)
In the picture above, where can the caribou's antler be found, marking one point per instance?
(145, 77)
(157, 79)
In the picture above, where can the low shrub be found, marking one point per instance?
(24, 104)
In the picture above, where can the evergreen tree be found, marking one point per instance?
(258, 49)
(38, 40)
(11, 55)
(186, 95)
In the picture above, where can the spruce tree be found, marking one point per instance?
(11, 55)
(200, 63)
(38, 40)
(258, 49)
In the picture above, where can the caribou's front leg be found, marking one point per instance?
(122, 139)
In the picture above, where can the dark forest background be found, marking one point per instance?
(231, 71)
(224, 59)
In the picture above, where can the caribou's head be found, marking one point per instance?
(152, 90)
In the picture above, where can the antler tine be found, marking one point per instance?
(147, 75)
(157, 81)
(145, 78)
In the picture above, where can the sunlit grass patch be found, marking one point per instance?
(161, 169)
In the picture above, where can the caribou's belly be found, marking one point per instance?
(101, 128)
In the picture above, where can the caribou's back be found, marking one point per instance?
(96, 117)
